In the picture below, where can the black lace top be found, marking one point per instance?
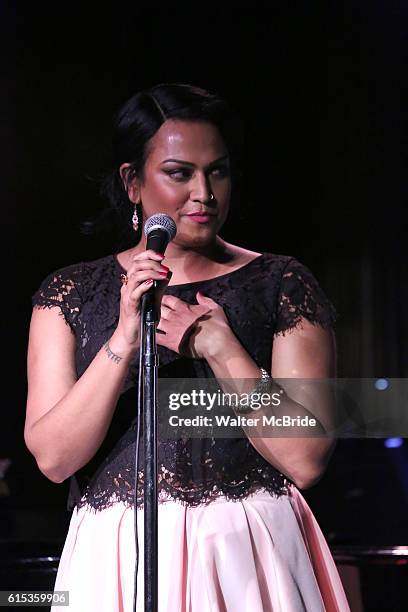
(267, 296)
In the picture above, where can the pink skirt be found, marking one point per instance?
(258, 554)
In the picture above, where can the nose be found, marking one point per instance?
(201, 190)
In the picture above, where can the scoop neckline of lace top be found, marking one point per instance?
(207, 280)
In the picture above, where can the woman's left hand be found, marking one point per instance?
(193, 330)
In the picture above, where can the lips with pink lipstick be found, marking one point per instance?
(200, 217)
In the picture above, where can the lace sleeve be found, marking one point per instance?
(61, 289)
(301, 296)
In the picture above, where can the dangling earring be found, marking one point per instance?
(135, 219)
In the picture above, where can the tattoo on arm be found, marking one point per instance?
(115, 358)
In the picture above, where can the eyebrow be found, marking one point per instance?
(186, 163)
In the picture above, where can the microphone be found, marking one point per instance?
(159, 229)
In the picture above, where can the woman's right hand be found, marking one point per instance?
(145, 267)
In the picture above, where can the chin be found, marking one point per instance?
(195, 243)
(198, 240)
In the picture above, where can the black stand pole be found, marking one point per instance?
(150, 368)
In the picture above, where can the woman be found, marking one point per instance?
(234, 531)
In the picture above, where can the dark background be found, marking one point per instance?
(322, 90)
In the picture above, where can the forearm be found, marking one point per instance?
(67, 436)
(302, 459)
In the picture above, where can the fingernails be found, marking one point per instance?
(165, 267)
(148, 282)
(163, 273)
(161, 255)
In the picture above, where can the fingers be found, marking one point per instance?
(182, 318)
(204, 299)
(144, 270)
(139, 276)
(133, 299)
(173, 302)
(146, 265)
(149, 254)
(147, 260)
(173, 305)
(161, 288)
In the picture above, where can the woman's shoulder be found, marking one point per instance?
(241, 256)
(84, 269)
(83, 290)
(78, 278)
(284, 265)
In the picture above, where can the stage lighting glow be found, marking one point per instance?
(393, 442)
(381, 384)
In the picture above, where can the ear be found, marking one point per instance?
(132, 188)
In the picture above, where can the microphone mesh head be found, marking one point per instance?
(162, 221)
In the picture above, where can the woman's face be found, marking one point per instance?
(187, 164)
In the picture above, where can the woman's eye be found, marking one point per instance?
(179, 174)
(220, 171)
(184, 174)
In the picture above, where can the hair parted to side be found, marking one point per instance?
(141, 117)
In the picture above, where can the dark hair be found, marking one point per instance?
(141, 117)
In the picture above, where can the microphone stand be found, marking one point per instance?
(159, 229)
(150, 362)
